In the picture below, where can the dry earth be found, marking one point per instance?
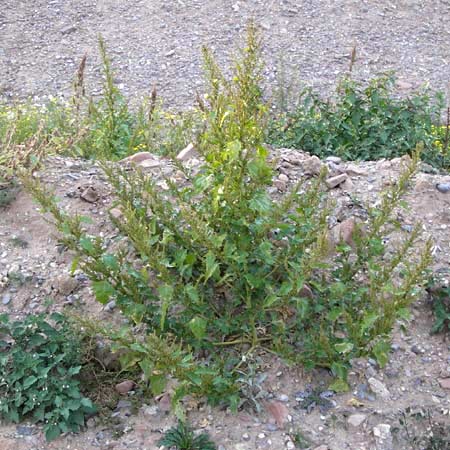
(35, 278)
(157, 41)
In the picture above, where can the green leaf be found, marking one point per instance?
(166, 294)
(339, 385)
(381, 352)
(211, 266)
(74, 265)
(270, 300)
(368, 321)
(198, 327)
(260, 202)
(52, 432)
(344, 347)
(103, 291)
(86, 244)
(158, 383)
(29, 381)
(192, 293)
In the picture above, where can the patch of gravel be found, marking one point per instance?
(156, 41)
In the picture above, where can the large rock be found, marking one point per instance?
(336, 181)
(137, 158)
(312, 165)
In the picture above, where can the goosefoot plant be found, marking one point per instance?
(39, 359)
(219, 265)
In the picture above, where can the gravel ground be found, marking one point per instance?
(155, 41)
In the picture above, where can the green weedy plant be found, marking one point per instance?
(218, 265)
(181, 437)
(39, 359)
(366, 123)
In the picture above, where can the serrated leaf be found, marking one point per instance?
(260, 202)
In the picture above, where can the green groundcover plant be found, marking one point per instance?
(215, 268)
(364, 122)
(39, 360)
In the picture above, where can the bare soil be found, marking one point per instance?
(42, 42)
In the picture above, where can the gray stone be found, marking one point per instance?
(6, 298)
(24, 430)
(333, 159)
(379, 388)
(443, 187)
(69, 29)
(383, 437)
(356, 420)
(110, 306)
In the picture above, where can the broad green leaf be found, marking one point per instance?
(158, 383)
(260, 202)
(339, 385)
(29, 381)
(344, 347)
(198, 327)
(103, 291)
(86, 244)
(52, 432)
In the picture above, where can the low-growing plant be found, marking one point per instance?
(219, 265)
(39, 360)
(182, 437)
(363, 122)
(440, 301)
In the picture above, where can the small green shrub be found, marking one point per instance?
(440, 297)
(366, 123)
(181, 437)
(39, 360)
(219, 265)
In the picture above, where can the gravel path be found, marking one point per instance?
(156, 41)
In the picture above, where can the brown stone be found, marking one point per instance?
(312, 165)
(279, 412)
(444, 383)
(336, 181)
(89, 195)
(116, 213)
(149, 163)
(186, 153)
(354, 170)
(137, 158)
(125, 386)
